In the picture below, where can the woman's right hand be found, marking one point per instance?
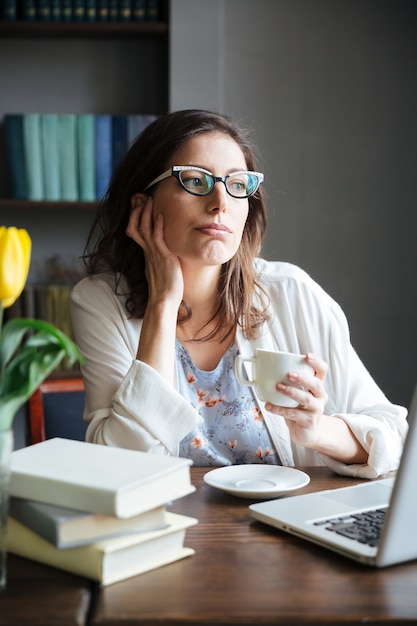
(163, 269)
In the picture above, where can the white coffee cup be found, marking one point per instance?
(269, 368)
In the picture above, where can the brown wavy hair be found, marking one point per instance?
(241, 300)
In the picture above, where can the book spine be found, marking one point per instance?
(43, 10)
(103, 10)
(152, 10)
(135, 125)
(119, 138)
(91, 10)
(125, 10)
(50, 155)
(9, 10)
(28, 10)
(67, 10)
(103, 153)
(15, 155)
(78, 10)
(33, 156)
(68, 156)
(86, 157)
(113, 10)
(138, 10)
(56, 10)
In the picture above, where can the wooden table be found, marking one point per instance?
(243, 572)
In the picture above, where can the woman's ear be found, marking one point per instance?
(138, 200)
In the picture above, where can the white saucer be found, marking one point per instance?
(256, 481)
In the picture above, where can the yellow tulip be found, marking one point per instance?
(15, 249)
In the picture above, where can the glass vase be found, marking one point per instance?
(6, 448)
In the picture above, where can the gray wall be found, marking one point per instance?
(329, 87)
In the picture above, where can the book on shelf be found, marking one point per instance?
(138, 10)
(125, 10)
(66, 10)
(103, 8)
(43, 10)
(86, 157)
(56, 10)
(152, 10)
(27, 10)
(33, 156)
(9, 10)
(135, 125)
(78, 10)
(51, 155)
(90, 10)
(67, 138)
(113, 10)
(68, 528)
(103, 152)
(15, 155)
(119, 138)
(98, 478)
(110, 560)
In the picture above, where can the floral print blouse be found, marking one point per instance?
(233, 431)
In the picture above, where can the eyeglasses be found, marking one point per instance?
(201, 182)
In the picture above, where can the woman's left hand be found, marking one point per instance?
(303, 420)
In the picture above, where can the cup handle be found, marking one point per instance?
(240, 359)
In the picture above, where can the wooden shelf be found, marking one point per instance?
(78, 30)
(59, 205)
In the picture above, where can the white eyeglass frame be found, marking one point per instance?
(176, 169)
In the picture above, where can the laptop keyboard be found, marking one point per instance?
(364, 527)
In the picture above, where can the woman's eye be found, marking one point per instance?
(238, 186)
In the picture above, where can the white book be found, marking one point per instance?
(111, 560)
(97, 478)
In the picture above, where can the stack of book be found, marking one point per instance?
(66, 157)
(97, 511)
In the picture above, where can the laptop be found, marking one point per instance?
(374, 523)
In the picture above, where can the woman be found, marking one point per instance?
(176, 290)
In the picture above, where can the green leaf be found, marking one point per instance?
(26, 363)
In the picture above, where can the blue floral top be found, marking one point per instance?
(233, 431)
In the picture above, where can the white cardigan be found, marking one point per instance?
(128, 404)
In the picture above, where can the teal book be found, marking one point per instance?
(86, 157)
(33, 156)
(103, 153)
(67, 133)
(119, 139)
(15, 155)
(50, 156)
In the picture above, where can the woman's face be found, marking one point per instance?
(203, 230)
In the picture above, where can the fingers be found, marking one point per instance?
(307, 390)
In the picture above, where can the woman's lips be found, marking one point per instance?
(214, 230)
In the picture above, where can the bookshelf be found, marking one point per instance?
(74, 67)
(77, 67)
